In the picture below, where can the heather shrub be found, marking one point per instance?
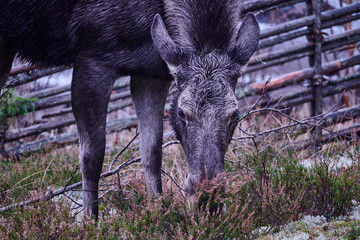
(354, 232)
(269, 190)
(329, 194)
(283, 190)
(264, 187)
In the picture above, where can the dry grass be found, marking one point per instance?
(266, 186)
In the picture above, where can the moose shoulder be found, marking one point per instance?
(198, 43)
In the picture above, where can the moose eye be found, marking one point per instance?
(181, 114)
(235, 116)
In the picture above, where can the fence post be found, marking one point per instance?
(3, 130)
(315, 61)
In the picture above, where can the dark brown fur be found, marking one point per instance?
(104, 39)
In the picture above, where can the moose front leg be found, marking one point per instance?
(149, 96)
(90, 92)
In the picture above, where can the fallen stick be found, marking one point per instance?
(72, 187)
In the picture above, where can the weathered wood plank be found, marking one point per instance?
(16, 134)
(308, 20)
(254, 5)
(299, 76)
(343, 134)
(264, 60)
(70, 137)
(283, 37)
(32, 75)
(330, 87)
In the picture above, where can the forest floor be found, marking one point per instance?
(318, 227)
(270, 193)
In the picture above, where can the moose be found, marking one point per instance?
(201, 45)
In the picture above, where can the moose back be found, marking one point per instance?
(200, 44)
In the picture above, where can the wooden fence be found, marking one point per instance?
(319, 79)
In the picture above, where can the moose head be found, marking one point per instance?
(205, 112)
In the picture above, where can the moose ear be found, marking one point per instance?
(163, 43)
(247, 40)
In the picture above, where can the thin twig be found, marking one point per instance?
(71, 199)
(72, 176)
(172, 142)
(240, 164)
(314, 121)
(172, 179)
(3, 92)
(123, 150)
(73, 187)
(258, 100)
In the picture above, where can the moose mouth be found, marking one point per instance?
(204, 194)
(194, 183)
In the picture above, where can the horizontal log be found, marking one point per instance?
(22, 69)
(57, 122)
(261, 61)
(307, 97)
(283, 37)
(278, 61)
(253, 5)
(336, 46)
(125, 96)
(65, 98)
(49, 92)
(15, 134)
(299, 76)
(341, 116)
(32, 75)
(271, 41)
(333, 118)
(308, 90)
(308, 20)
(121, 95)
(119, 83)
(121, 124)
(57, 113)
(341, 40)
(328, 43)
(344, 134)
(69, 138)
(30, 147)
(114, 105)
(52, 101)
(337, 81)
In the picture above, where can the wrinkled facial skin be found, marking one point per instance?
(204, 113)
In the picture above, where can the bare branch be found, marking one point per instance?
(73, 187)
(71, 199)
(257, 102)
(240, 164)
(174, 181)
(126, 147)
(310, 122)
